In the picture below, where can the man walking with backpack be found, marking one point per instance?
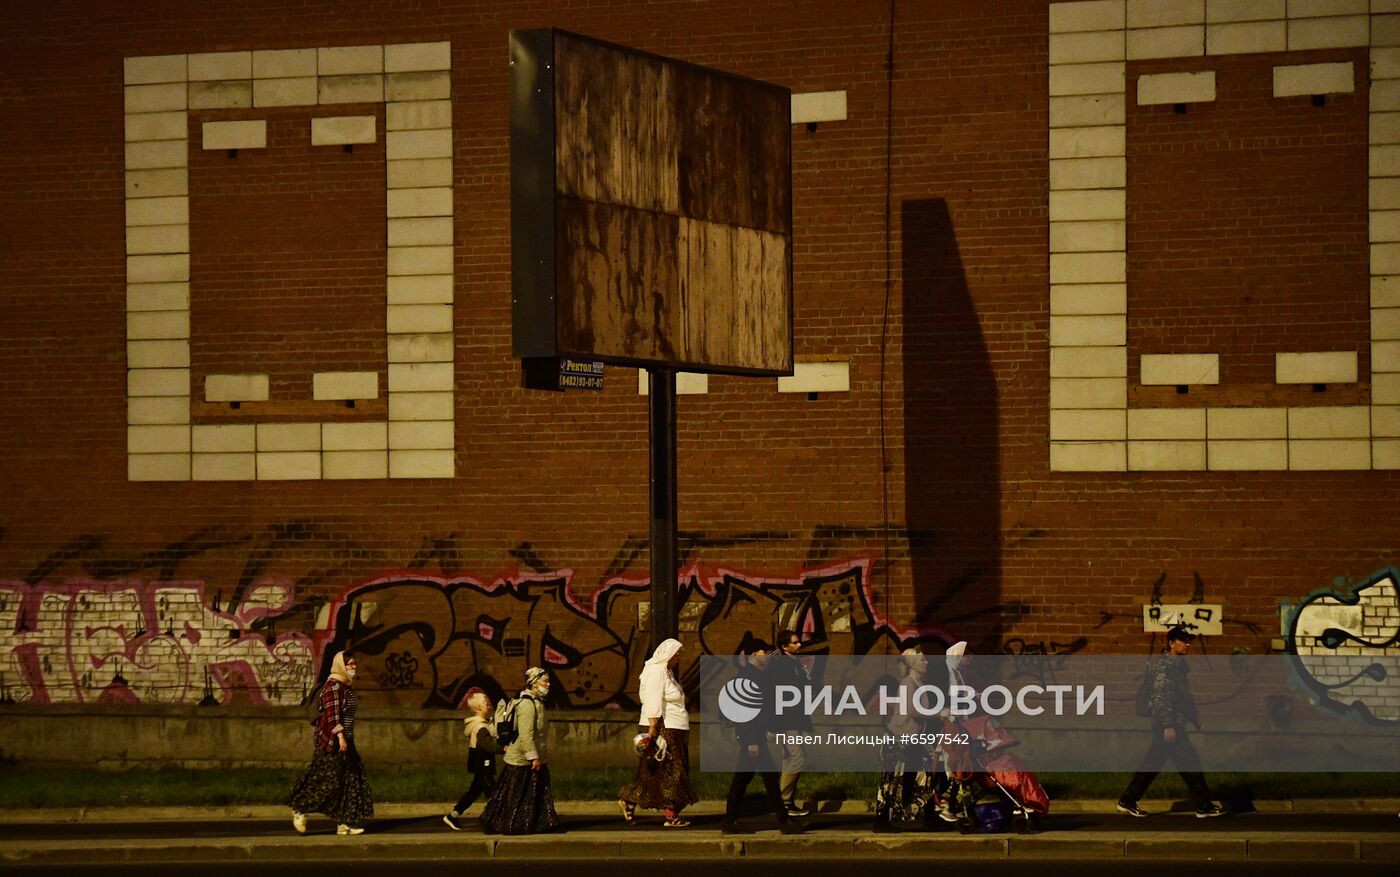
(1172, 707)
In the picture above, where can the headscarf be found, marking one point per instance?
(656, 664)
(338, 669)
(953, 658)
(533, 677)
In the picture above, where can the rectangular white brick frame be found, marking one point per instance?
(159, 91)
(1089, 41)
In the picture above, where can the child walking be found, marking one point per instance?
(481, 756)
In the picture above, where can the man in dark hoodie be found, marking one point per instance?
(754, 757)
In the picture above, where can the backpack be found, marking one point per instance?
(311, 707)
(504, 727)
(1143, 701)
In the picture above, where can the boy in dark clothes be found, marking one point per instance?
(481, 756)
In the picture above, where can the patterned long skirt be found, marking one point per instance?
(335, 785)
(906, 783)
(665, 784)
(522, 803)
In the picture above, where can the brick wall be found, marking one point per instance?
(919, 504)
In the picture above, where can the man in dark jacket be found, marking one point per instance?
(1172, 708)
(754, 757)
(787, 669)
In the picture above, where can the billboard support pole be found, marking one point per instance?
(662, 458)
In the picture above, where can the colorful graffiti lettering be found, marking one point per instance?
(1347, 646)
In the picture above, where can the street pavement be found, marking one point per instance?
(1349, 836)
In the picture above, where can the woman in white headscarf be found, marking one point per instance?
(335, 784)
(906, 777)
(663, 767)
(523, 802)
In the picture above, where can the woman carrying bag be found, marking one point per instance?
(335, 784)
(663, 767)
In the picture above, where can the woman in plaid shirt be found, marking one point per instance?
(335, 784)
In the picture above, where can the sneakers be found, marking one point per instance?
(347, 830)
(794, 810)
(451, 820)
(734, 828)
(299, 822)
(1131, 810)
(1209, 810)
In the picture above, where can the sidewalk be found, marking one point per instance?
(247, 834)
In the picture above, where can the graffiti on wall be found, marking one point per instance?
(1346, 646)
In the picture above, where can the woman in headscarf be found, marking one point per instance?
(663, 768)
(906, 780)
(523, 802)
(335, 784)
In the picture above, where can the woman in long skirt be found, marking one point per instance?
(663, 768)
(335, 784)
(523, 802)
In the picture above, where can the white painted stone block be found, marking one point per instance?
(418, 173)
(155, 98)
(1080, 111)
(818, 106)
(1088, 362)
(1385, 31)
(236, 388)
(1167, 42)
(1385, 324)
(1384, 129)
(417, 115)
(1180, 424)
(817, 377)
(422, 435)
(284, 63)
(1247, 423)
(289, 437)
(422, 464)
(225, 467)
(1110, 267)
(157, 409)
(1093, 237)
(245, 134)
(157, 296)
(1157, 369)
(355, 436)
(1385, 63)
(1385, 420)
(158, 382)
(1088, 393)
(158, 354)
(1335, 367)
(1326, 8)
(350, 465)
(1246, 37)
(1385, 96)
(419, 260)
(1067, 425)
(1164, 13)
(1086, 15)
(1102, 78)
(1329, 422)
(1088, 173)
(1385, 226)
(360, 89)
(171, 125)
(342, 60)
(164, 268)
(418, 319)
(1088, 456)
(166, 439)
(1088, 142)
(1385, 356)
(1108, 330)
(1176, 88)
(1301, 79)
(402, 57)
(158, 467)
(420, 202)
(153, 69)
(158, 211)
(687, 383)
(297, 91)
(1328, 33)
(225, 438)
(1086, 48)
(1088, 204)
(289, 466)
(156, 154)
(221, 95)
(1315, 455)
(211, 66)
(421, 406)
(1247, 456)
(1385, 389)
(430, 231)
(1385, 292)
(1166, 456)
(431, 143)
(342, 130)
(420, 289)
(345, 385)
(1077, 299)
(417, 86)
(421, 377)
(157, 183)
(157, 239)
(1245, 10)
(148, 325)
(1385, 454)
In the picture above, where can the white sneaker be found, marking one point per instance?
(299, 822)
(451, 820)
(345, 829)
